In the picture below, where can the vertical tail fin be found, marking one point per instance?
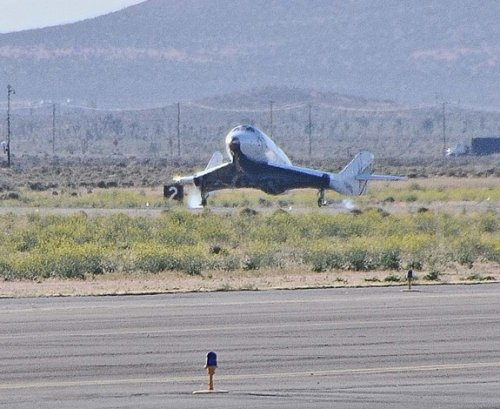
(351, 177)
(361, 164)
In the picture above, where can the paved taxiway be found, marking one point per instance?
(349, 348)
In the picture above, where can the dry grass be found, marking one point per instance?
(260, 280)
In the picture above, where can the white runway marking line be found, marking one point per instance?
(229, 378)
(229, 328)
(166, 304)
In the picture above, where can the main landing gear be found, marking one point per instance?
(204, 197)
(321, 198)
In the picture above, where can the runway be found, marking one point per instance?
(438, 347)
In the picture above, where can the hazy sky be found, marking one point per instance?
(16, 15)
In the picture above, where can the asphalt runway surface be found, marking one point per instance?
(438, 347)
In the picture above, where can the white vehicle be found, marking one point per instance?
(256, 162)
(458, 150)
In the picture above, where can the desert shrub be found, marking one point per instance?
(425, 223)
(39, 186)
(257, 260)
(451, 226)
(359, 259)
(323, 260)
(466, 252)
(265, 203)
(153, 262)
(248, 212)
(479, 277)
(63, 262)
(217, 249)
(414, 265)
(470, 248)
(6, 270)
(488, 222)
(389, 259)
(345, 225)
(210, 227)
(123, 230)
(11, 196)
(277, 228)
(152, 258)
(411, 198)
(491, 249)
(192, 265)
(432, 276)
(28, 241)
(417, 246)
(229, 263)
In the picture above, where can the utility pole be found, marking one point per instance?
(309, 130)
(444, 128)
(271, 118)
(170, 136)
(178, 130)
(53, 129)
(10, 91)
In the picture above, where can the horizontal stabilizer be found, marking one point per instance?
(378, 177)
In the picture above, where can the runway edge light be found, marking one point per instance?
(210, 366)
(410, 278)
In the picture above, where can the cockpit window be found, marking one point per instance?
(246, 128)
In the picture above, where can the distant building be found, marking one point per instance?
(485, 146)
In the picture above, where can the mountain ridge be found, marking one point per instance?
(157, 53)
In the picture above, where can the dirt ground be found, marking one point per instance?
(259, 280)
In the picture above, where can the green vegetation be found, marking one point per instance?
(426, 191)
(432, 276)
(75, 246)
(479, 277)
(393, 278)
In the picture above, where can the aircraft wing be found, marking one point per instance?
(215, 178)
(204, 182)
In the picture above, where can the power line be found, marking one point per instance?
(286, 107)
